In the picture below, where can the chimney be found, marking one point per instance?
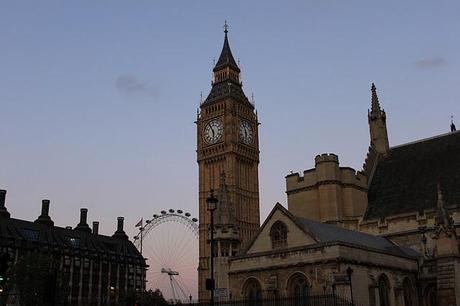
(120, 233)
(95, 227)
(83, 226)
(3, 211)
(44, 218)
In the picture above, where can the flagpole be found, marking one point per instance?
(142, 229)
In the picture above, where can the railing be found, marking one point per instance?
(311, 300)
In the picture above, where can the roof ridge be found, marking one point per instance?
(425, 139)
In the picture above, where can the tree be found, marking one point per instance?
(149, 298)
(36, 280)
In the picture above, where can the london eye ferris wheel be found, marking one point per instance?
(169, 242)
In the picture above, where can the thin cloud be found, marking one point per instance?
(129, 84)
(430, 63)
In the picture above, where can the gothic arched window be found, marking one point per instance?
(408, 292)
(384, 290)
(278, 235)
(252, 290)
(298, 286)
(430, 296)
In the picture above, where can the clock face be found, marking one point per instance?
(213, 131)
(246, 134)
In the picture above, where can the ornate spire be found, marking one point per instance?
(226, 56)
(379, 144)
(375, 105)
(226, 77)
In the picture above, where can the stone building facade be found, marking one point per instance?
(88, 268)
(403, 192)
(395, 222)
(316, 256)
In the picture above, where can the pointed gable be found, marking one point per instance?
(296, 235)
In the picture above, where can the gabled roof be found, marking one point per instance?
(328, 233)
(332, 233)
(26, 234)
(405, 180)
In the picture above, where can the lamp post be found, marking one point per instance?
(350, 272)
(211, 202)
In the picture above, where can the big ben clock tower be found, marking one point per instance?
(227, 144)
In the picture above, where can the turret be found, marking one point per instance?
(377, 125)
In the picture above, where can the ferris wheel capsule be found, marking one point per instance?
(187, 214)
(179, 211)
(163, 212)
(171, 211)
(155, 216)
(194, 219)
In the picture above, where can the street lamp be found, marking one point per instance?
(211, 202)
(350, 272)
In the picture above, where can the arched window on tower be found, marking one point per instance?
(278, 235)
(384, 290)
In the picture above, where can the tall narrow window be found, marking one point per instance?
(298, 286)
(384, 288)
(278, 235)
(408, 292)
(430, 295)
(252, 290)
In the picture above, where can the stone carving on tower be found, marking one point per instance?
(227, 141)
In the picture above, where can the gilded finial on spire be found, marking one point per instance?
(225, 27)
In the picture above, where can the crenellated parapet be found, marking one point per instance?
(328, 192)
